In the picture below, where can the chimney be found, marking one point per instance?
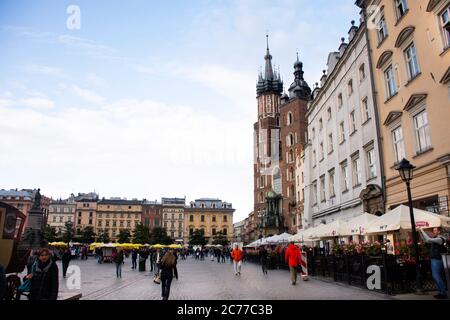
(352, 32)
(324, 78)
(342, 47)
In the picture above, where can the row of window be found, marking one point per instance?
(61, 219)
(202, 218)
(347, 178)
(64, 210)
(401, 8)
(213, 231)
(365, 117)
(114, 223)
(115, 215)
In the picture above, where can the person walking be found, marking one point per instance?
(167, 266)
(292, 257)
(437, 248)
(65, 260)
(134, 256)
(151, 259)
(44, 282)
(263, 259)
(237, 256)
(118, 260)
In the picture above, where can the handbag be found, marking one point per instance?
(26, 285)
(157, 278)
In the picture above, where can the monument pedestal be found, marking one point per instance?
(33, 236)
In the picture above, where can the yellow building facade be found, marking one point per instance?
(211, 215)
(114, 215)
(410, 61)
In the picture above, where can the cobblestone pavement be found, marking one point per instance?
(206, 280)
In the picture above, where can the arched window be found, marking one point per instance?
(289, 119)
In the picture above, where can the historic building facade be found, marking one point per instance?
(23, 200)
(293, 128)
(342, 162)
(279, 135)
(213, 216)
(86, 211)
(117, 214)
(60, 212)
(151, 214)
(410, 55)
(173, 217)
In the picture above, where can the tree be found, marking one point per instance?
(141, 234)
(197, 238)
(103, 237)
(88, 235)
(159, 235)
(69, 232)
(124, 236)
(220, 238)
(49, 233)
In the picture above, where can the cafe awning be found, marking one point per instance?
(358, 225)
(399, 218)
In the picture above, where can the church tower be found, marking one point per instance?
(267, 175)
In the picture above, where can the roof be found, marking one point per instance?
(208, 203)
(173, 201)
(120, 201)
(16, 193)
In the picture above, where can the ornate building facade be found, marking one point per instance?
(342, 161)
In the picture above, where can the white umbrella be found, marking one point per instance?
(330, 230)
(358, 225)
(399, 218)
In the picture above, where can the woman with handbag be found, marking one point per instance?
(167, 267)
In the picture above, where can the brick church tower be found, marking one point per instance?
(279, 136)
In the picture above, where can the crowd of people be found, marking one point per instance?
(42, 279)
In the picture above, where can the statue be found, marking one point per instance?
(37, 200)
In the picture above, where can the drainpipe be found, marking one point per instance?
(376, 114)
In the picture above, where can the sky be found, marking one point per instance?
(148, 99)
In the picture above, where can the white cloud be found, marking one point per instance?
(45, 70)
(35, 103)
(88, 95)
(95, 80)
(132, 148)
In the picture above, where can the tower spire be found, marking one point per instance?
(268, 58)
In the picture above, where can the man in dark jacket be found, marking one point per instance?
(65, 260)
(44, 280)
(263, 258)
(134, 256)
(118, 260)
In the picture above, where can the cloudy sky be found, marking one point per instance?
(147, 98)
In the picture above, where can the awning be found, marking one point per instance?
(399, 218)
(330, 230)
(358, 225)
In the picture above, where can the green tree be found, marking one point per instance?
(220, 238)
(159, 235)
(141, 234)
(197, 238)
(88, 235)
(69, 232)
(49, 233)
(103, 237)
(124, 236)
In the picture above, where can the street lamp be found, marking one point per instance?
(406, 170)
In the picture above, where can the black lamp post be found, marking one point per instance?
(406, 170)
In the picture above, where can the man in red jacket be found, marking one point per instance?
(237, 256)
(293, 257)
